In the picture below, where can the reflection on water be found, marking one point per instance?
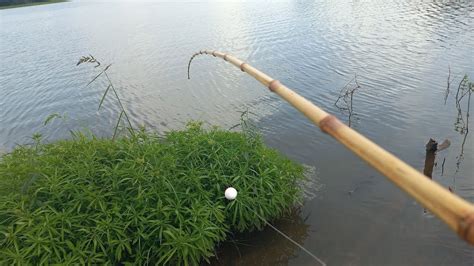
(400, 51)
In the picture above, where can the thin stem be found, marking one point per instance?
(117, 125)
(120, 102)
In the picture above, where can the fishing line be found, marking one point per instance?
(231, 194)
(292, 241)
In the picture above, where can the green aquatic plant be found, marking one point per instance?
(139, 199)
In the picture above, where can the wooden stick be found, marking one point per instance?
(456, 212)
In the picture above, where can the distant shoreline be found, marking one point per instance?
(32, 4)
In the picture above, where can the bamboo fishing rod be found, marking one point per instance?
(456, 212)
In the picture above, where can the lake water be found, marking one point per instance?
(401, 52)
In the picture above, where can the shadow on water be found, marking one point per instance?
(265, 247)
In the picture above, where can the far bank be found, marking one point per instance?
(4, 4)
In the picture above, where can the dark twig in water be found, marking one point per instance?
(431, 148)
(461, 125)
(462, 121)
(346, 95)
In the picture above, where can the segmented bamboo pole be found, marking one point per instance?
(456, 212)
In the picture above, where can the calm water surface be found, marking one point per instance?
(400, 51)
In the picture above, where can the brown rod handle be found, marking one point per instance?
(456, 212)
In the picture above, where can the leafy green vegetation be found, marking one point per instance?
(139, 199)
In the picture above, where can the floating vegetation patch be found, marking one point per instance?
(139, 199)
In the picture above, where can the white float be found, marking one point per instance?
(230, 193)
